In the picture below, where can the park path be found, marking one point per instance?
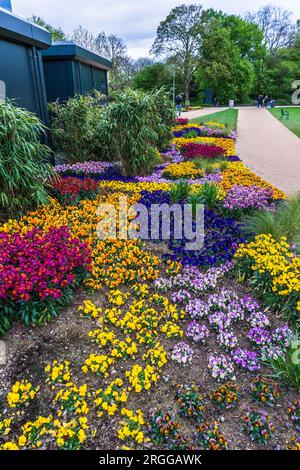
(201, 112)
(269, 148)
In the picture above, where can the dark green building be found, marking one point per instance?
(21, 66)
(71, 69)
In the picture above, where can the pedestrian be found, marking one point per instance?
(265, 101)
(259, 101)
(178, 102)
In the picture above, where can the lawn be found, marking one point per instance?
(227, 117)
(293, 123)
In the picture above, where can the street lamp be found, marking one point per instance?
(174, 85)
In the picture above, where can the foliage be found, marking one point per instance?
(24, 169)
(57, 34)
(113, 48)
(276, 26)
(74, 127)
(222, 68)
(208, 196)
(179, 192)
(285, 366)
(281, 69)
(154, 76)
(131, 126)
(284, 222)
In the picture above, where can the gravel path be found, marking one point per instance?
(269, 148)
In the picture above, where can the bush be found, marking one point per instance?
(23, 161)
(284, 222)
(166, 112)
(74, 127)
(130, 128)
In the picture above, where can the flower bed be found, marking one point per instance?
(176, 342)
(227, 144)
(38, 273)
(274, 272)
(191, 150)
(71, 190)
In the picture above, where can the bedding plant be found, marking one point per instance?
(154, 347)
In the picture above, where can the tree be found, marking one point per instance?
(57, 34)
(276, 25)
(178, 37)
(113, 48)
(282, 68)
(84, 38)
(142, 62)
(154, 76)
(246, 36)
(221, 67)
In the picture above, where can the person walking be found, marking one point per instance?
(265, 101)
(178, 103)
(259, 101)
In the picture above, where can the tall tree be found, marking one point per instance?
(57, 34)
(113, 48)
(153, 77)
(178, 37)
(247, 37)
(276, 25)
(84, 38)
(221, 67)
(142, 62)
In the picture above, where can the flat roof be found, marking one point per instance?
(70, 50)
(21, 30)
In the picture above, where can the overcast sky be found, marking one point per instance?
(135, 21)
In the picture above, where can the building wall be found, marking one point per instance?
(59, 80)
(20, 70)
(66, 78)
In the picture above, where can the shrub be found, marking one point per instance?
(130, 128)
(179, 192)
(209, 195)
(37, 274)
(74, 127)
(23, 161)
(166, 112)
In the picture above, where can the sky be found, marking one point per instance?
(135, 21)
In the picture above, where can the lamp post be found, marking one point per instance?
(174, 85)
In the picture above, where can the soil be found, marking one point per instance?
(29, 350)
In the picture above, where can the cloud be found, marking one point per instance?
(135, 21)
